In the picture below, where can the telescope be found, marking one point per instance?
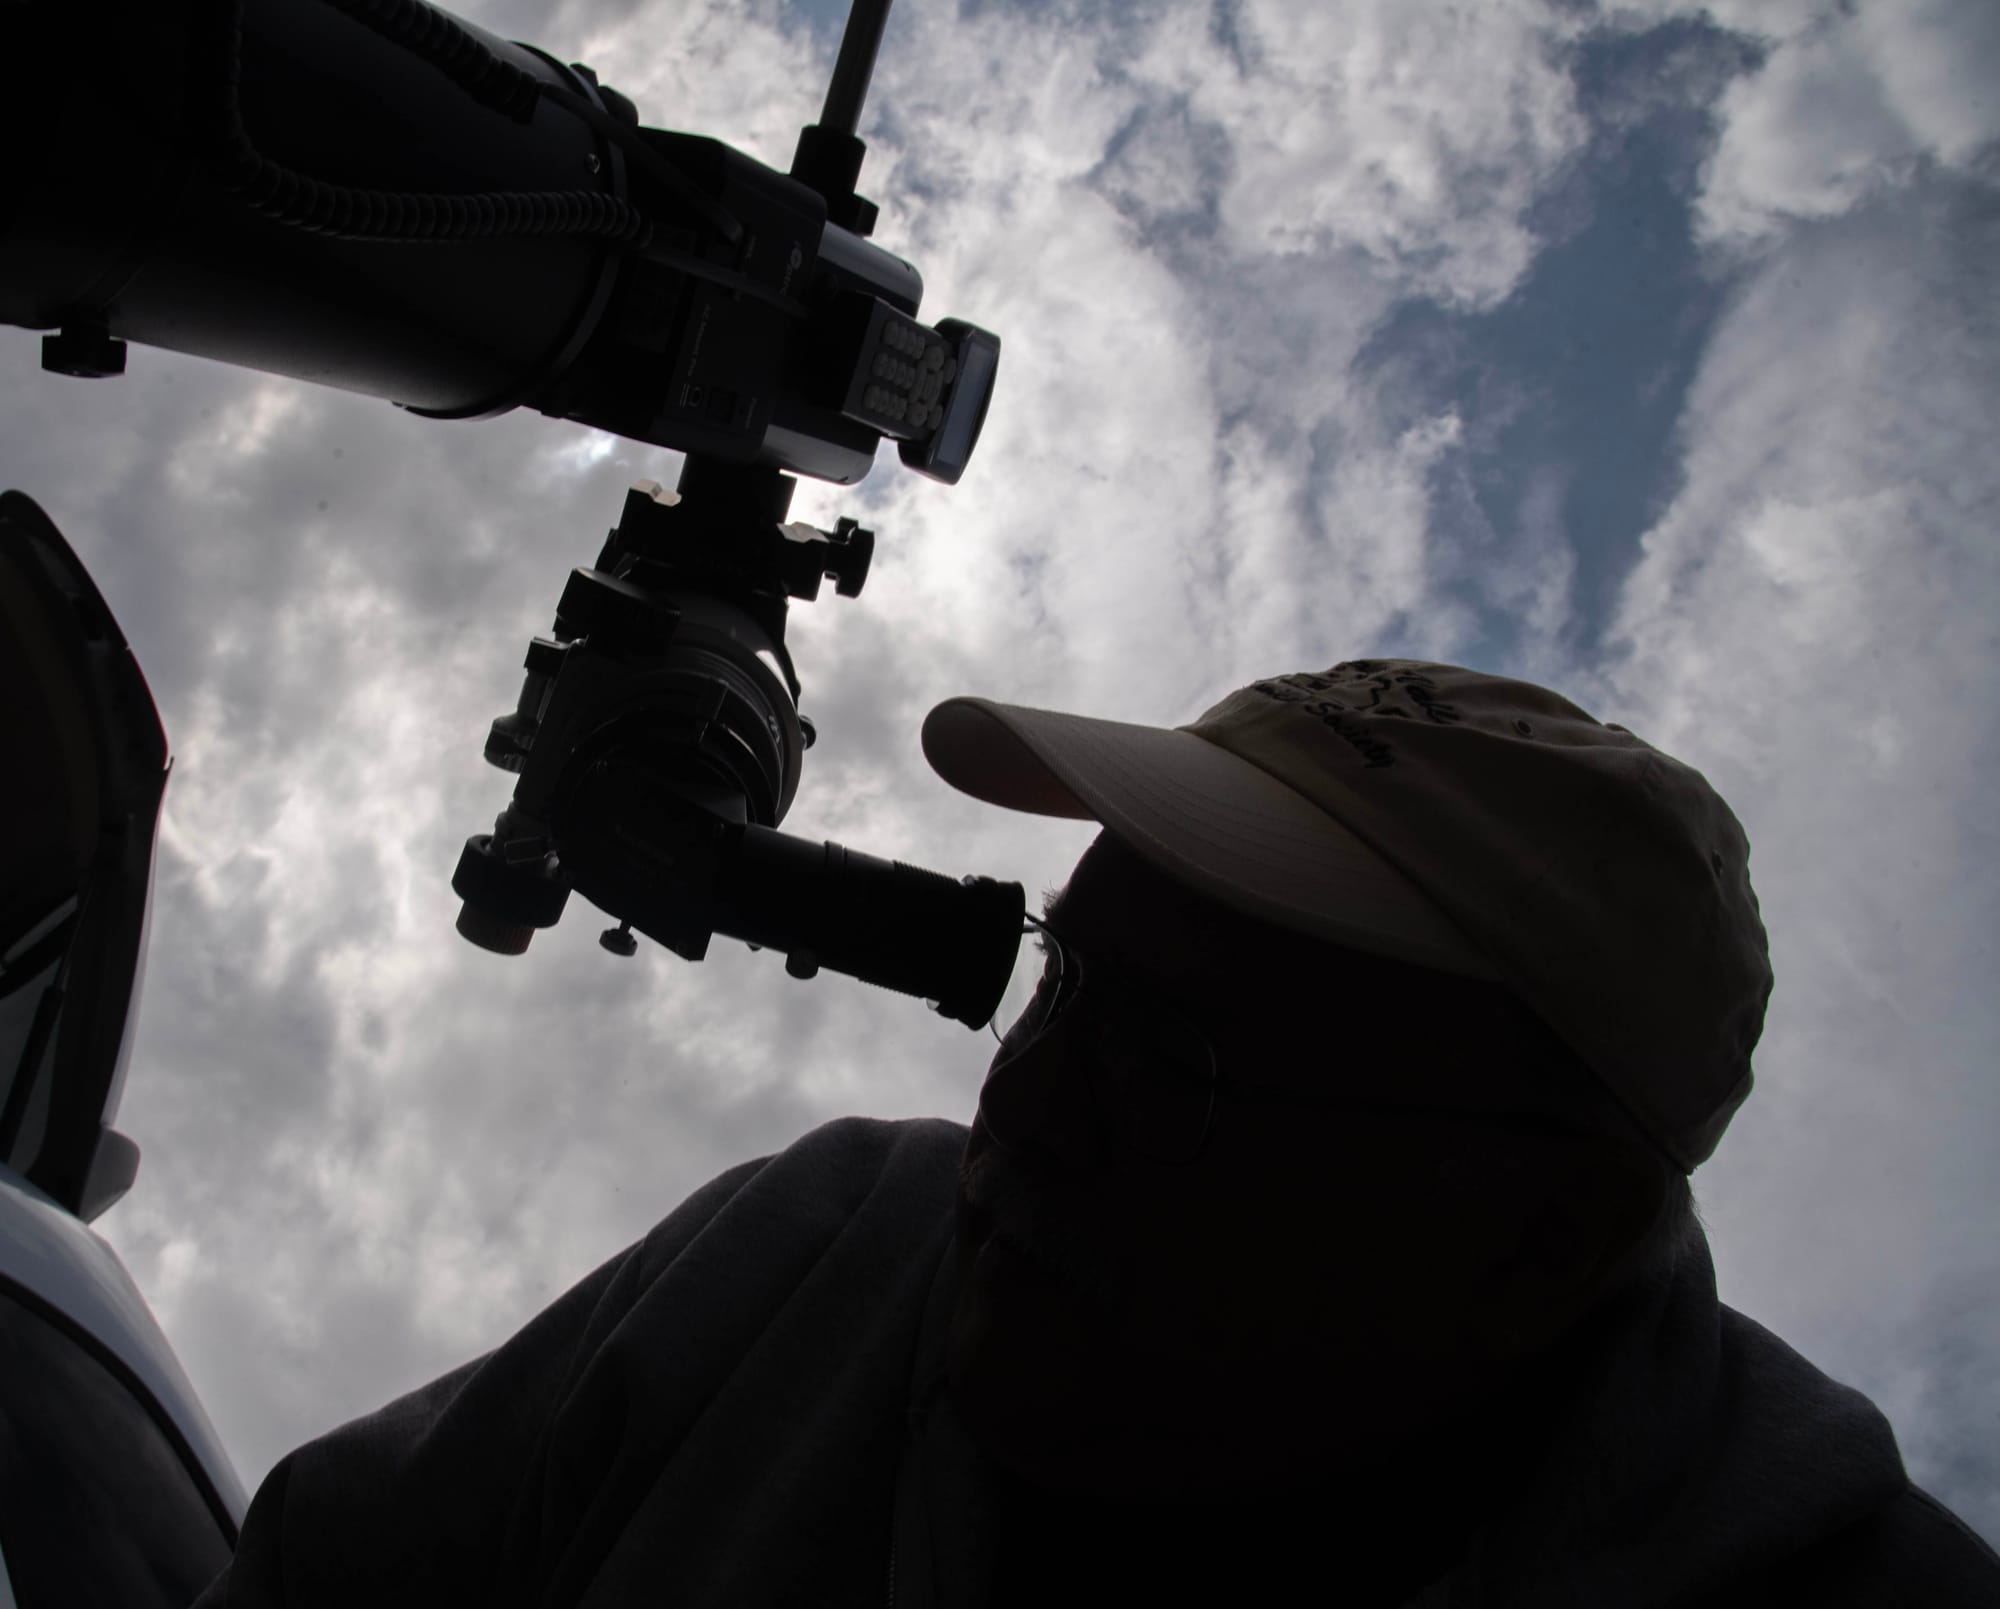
(380, 197)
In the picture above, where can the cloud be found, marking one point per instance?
(371, 1151)
(1105, 184)
(1413, 136)
(1850, 99)
(1811, 625)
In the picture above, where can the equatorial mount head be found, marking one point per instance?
(668, 657)
(657, 744)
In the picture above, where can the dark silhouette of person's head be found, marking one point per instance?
(1475, 978)
(1332, 1275)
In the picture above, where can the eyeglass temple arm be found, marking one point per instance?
(1033, 924)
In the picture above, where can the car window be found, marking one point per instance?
(98, 1504)
(24, 1091)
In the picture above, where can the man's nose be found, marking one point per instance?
(1044, 1100)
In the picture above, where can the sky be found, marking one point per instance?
(1649, 351)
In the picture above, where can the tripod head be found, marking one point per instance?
(375, 195)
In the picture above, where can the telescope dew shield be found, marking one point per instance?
(134, 225)
(389, 200)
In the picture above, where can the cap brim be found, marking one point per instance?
(1206, 817)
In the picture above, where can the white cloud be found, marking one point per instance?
(1175, 453)
(1850, 98)
(732, 71)
(1813, 626)
(1414, 136)
(1939, 61)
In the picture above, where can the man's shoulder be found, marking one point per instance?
(856, 1156)
(1912, 1552)
(910, 1140)
(856, 1148)
(850, 1166)
(1921, 1529)
(1902, 1546)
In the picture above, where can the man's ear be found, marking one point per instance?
(1591, 1202)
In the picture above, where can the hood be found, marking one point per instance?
(1684, 1448)
(1693, 1449)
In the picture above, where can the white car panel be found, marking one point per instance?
(52, 1254)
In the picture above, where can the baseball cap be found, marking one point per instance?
(1451, 819)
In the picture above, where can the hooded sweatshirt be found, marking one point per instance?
(750, 1407)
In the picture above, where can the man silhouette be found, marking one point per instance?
(1324, 1228)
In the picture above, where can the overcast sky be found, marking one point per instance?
(1649, 351)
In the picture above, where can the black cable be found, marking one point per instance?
(494, 81)
(490, 79)
(293, 198)
(633, 144)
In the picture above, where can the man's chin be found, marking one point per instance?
(1097, 1459)
(1039, 1389)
